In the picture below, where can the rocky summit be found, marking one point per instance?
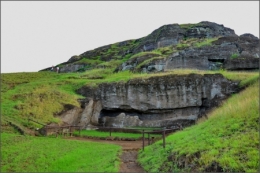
(162, 101)
(205, 45)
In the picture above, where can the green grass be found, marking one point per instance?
(95, 133)
(146, 62)
(230, 138)
(181, 46)
(144, 53)
(189, 25)
(41, 154)
(110, 64)
(92, 62)
(206, 42)
(37, 95)
(234, 55)
(165, 50)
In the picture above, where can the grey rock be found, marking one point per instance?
(71, 68)
(121, 120)
(159, 101)
(86, 114)
(71, 116)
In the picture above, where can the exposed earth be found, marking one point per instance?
(129, 155)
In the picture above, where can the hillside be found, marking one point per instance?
(202, 76)
(228, 141)
(50, 97)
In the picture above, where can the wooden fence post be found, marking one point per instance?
(70, 131)
(148, 138)
(143, 140)
(163, 133)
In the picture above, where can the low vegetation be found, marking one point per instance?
(228, 141)
(95, 133)
(189, 25)
(234, 55)
(206, 42)
(32, 154)
(148, 61)
(145, 53)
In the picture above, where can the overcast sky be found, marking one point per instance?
(37, 35)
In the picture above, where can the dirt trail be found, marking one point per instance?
(129, 162)
(129, 154)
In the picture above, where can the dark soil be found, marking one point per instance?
(129, 162)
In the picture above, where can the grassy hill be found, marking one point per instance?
(228, 141)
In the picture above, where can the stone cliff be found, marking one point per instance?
(154, 102)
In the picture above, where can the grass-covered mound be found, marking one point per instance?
(34, 154)
(227, 141)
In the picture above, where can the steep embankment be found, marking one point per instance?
(227, 141)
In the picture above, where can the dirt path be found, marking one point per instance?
(129, 154)
(129, 162)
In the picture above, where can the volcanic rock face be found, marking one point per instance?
(231, 53)
(172, 34)
(157, 101)
(167, 35)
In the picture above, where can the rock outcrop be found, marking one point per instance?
(155, 102)
(210, 57)
(231, 53)
(172, 34)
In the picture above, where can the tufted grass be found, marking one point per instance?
(41, 154)
(206, 42)
(229, 138)
(145, 53)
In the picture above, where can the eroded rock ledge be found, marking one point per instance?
(154, 102)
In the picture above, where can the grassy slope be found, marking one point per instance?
(31, 154)
(36, 95)
(22, 93)
(18, 89)
(229, 139)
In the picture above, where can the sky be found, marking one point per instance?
(36, 35)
